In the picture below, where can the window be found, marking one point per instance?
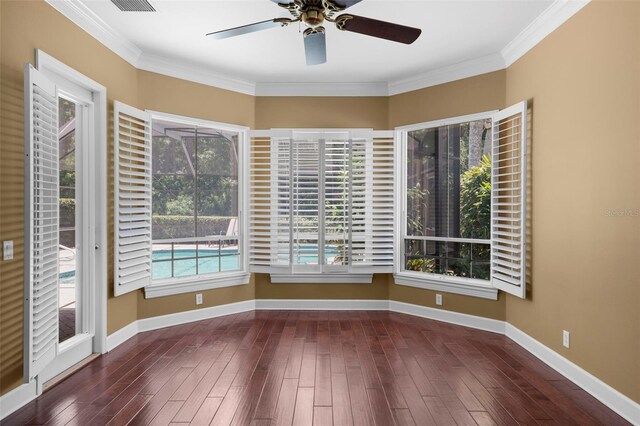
(180, 198)
(322, 204)
(195, 201)
(445, 178)
(460, 217)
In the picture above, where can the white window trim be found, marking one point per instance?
(66, 76)
(171, 286)
(323, 278)
(424, 280)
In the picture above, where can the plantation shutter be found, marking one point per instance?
(372, 201)
(321, 201)
(508, 200)
(132, 171)
(42, 217)
(270, 201)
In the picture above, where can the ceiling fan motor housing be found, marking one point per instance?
(313, 16)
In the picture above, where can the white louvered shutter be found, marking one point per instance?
(132, 171)
(306, 202)
(270, 201)
(319, 191)
(372, 201)
(508, 200)
(42, 218)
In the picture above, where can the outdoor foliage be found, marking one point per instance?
(165, 227)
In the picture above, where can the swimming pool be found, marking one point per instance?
(209, 261)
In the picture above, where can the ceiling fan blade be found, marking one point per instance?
(315, 47)
(346, 3)
(379, 29)
(245, 29)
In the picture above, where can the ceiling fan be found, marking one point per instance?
(313, 13)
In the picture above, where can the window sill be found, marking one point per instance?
(318, 278)
(464, 286)
(169, 287)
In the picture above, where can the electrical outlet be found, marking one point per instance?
(199, 299)
(439, 299)
(7, 250)
(565, 338)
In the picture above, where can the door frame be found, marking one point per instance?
(97, 153)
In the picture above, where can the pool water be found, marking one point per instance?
(209, 261)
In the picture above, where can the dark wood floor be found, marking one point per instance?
(320, 368)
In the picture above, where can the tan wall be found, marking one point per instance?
(468, 96)
(321, 112)
(471, 95)
(158, 92)
(25, 26)
(584, 81)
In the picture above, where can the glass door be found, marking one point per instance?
(73, 255)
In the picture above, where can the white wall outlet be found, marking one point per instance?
(199, 299)
(7, 250)
(565, 338)
(439, 299)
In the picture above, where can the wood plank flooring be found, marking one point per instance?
(316, 368)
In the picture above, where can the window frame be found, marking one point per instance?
(425, 280)
(202, 282)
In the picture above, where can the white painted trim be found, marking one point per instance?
(322, 89)
(547, 22)
(322, 278)
(154, 323)
(480, 323)
(454, 72)
(98, 144)
(446, 284)
(198, 283)
(195, 73)
(17, 398)
(77, 12)
(610, 397)
(322, 304)
(119, 337)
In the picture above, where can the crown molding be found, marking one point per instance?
(547, 22)
(78, 13)
(322, 89)
(447, 74)
(195, 73)
(543, 25)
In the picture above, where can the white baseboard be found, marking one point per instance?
(613, 399)
(323, 305)
(17, 398)
(481, 323)
(119, 337)
(162, 321)
(610, 397)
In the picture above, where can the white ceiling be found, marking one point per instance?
(454, 33)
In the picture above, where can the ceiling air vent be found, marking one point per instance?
(134, 5)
